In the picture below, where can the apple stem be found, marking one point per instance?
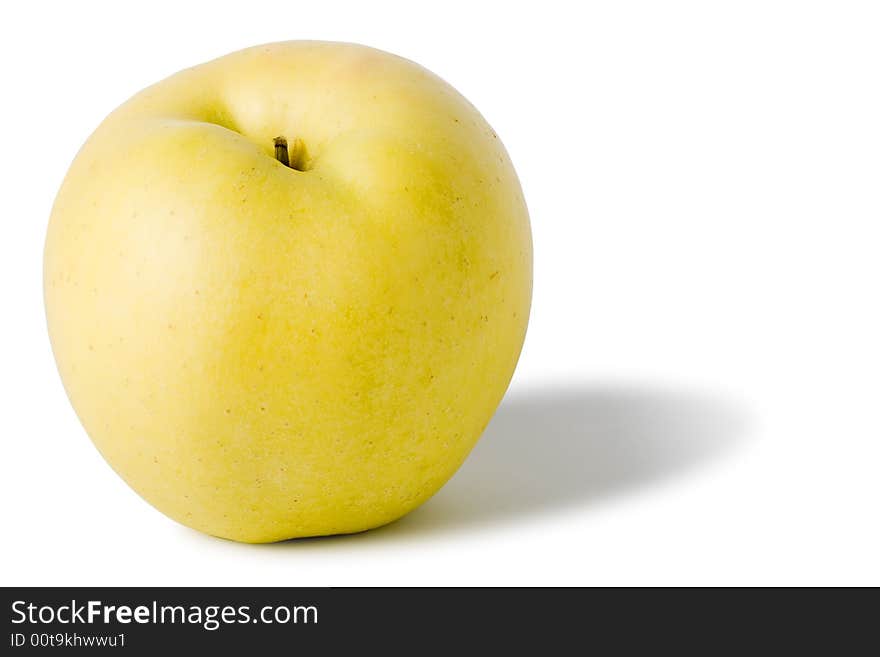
(294, 157)
(281, 153)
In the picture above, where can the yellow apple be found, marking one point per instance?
(287, 289)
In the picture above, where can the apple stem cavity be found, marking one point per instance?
(295, 157)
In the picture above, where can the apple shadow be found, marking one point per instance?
(574, 445)
(569, 445)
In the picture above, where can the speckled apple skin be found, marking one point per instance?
(264, 353)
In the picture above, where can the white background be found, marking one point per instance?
(698, 401)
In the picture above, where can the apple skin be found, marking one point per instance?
(264, 353)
